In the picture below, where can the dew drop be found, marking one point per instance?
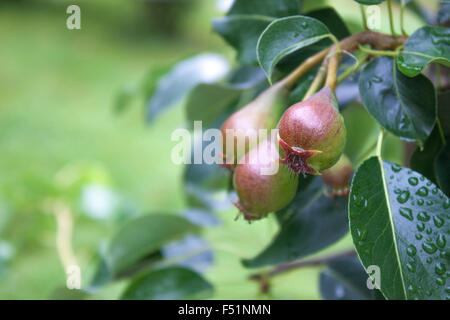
(438, 221)
(407, 213)
(440, 268)
(441, 241)
(419, 236)
(411, 250)
(403, 197)
(429, 248)
(413, 181)
(423, 216)
(440, 281)
(396, 168)
(421, 226)
(410, 267)
(423, 191)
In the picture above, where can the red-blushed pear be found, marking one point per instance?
(312, 133)
(262, 184)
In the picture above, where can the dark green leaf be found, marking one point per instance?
(332, 20)
(428, 44)
(442, 171)
(62, 293)
(310, 223)
(422, 161)
(242, 32)
(173, 283)
(208, 102)
(143, 236)
(369, 2)
(204, 68)
(443, 16)
(192, 252)
(346, 279)
(399, 221)
(279, 8)
(285, 36)
(102, 274)
(246, 77)
(302, 87)
(206, 186)
(405, 106)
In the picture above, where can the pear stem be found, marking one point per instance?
(376, 40)
(318, 80)
(306, 66)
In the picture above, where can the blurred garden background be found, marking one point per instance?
(66, 136)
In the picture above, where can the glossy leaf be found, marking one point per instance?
(422, 161)
(206, 186)
(370, 2)
(443, 16)
(242, 32)
(285, 36)
(191, 252)
(204, 68)
(405, 106)
(442, 172)
(173, 283)
(209, 102)
(143, 236)
(345, 279)
(332, 20)
(399, 222)
(426, 45)
(246, 77)
(279, 8)
(310, 223)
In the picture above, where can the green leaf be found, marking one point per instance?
(143, 236)
(422, 161)
(442, 172)
(204, 68)
(369, 2)
(173, 283)
(285, 36)
(345, 279)
(208, 102)
(426, 45)
(246, 77)
(302, 87)
(443, 16)
(332, 20)
(310, 223)
(62, 293)
(405, 106)
(206, 186)
(279, 8)
(242, 32)
(399, 221)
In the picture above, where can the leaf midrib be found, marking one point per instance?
(391, 220)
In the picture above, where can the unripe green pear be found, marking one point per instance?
(240, 131)
(338, 177)
(262, 183)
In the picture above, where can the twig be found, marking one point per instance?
(282, 268)
(64, 235)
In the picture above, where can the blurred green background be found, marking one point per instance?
(61, 139)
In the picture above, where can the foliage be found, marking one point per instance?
(397, 214)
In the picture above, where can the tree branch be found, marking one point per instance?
(283, 268)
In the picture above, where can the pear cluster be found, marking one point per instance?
(311, 138)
